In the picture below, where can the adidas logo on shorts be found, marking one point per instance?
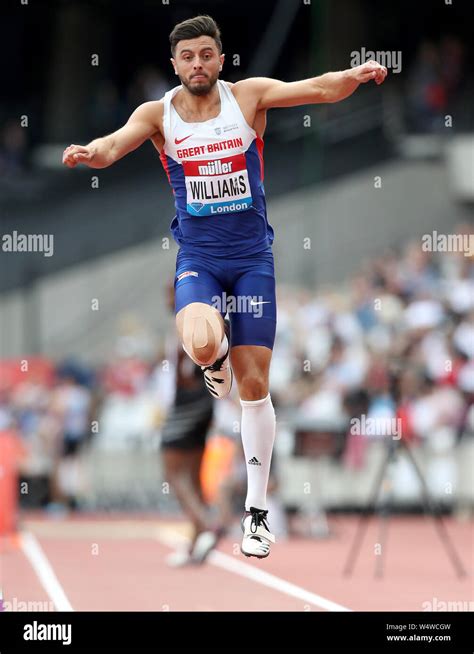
(254, 461)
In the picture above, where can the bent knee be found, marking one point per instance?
(201, 330)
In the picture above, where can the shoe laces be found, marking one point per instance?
(259, 517)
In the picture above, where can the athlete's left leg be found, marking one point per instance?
(253, 334)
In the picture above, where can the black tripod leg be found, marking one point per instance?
(364, 518)
(383, 529)
(438, 520)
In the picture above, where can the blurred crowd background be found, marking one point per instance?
(369, 323)
(396, 341)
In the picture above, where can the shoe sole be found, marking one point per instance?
(255, 556)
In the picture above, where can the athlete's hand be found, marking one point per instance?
(371, 70)
(76, 154)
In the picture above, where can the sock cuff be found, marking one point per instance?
(250, 403)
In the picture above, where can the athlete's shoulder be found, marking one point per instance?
(250, 87)
(152, 105)
(149, 109)
(250, 83)
(150, 112)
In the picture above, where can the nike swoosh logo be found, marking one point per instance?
(178, 141)
(254, 304)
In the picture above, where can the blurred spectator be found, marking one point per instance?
(13, 149)
(183, 442)
(426, 92)
(435, 82)
(107, 110)
(452, 54)
(70, 406)
(149, 84)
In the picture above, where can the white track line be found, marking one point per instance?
(232, 564)
(40, 564)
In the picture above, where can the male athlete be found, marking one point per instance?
(209, 136)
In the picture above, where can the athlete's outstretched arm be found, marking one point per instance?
(103, 152)
(330, 87)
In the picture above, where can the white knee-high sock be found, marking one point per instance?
(258, 435)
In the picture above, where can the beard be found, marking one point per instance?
(203, 87)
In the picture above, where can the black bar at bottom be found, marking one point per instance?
(171, 631)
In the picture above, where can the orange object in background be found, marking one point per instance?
(39, 369)
(11, 453)
(217, 464)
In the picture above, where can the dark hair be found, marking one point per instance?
(193, 28)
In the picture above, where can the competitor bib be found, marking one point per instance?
(217, 186)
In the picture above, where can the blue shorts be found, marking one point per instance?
(243, 288)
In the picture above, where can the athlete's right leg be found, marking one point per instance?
(201, 327)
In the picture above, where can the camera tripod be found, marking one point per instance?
(393, 446)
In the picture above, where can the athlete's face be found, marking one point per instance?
(197, 63)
